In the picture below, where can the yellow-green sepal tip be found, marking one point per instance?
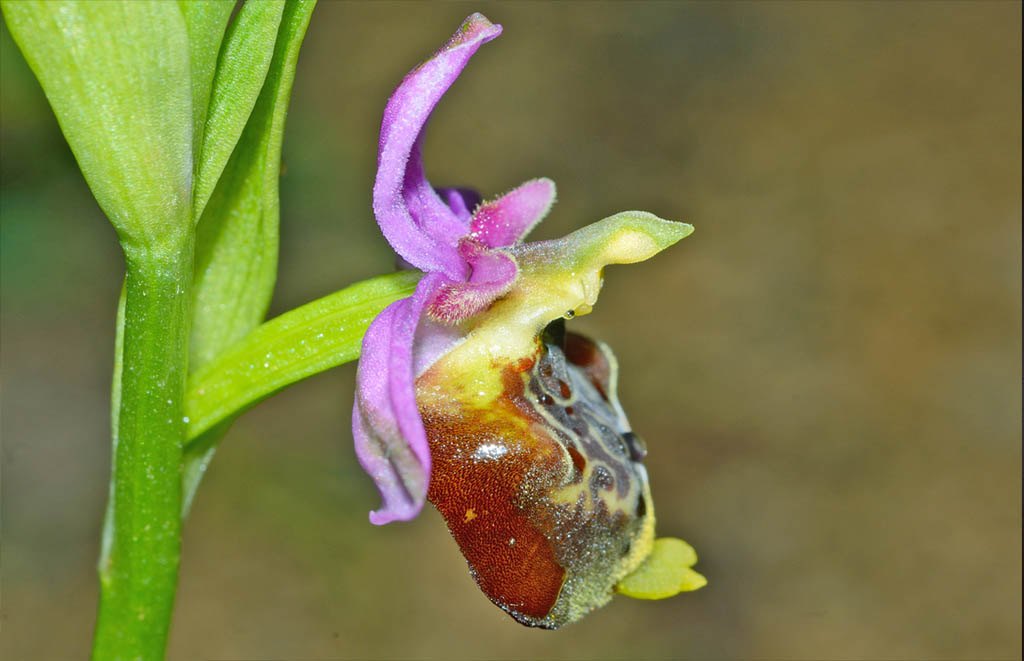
(625, 238)
(665, 573)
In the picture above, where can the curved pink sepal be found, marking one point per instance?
(389, 437)
(416, 222)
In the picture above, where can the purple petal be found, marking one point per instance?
(492, 276)
(462, 202)
(506, 220)
(390, 441)
(416, 222)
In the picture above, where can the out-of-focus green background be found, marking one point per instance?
(827, 372)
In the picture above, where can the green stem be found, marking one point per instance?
(298, 344)
(139, 567)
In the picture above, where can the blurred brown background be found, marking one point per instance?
(827, 372)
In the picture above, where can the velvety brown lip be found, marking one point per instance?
(511, 559)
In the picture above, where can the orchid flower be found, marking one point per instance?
(471, 393)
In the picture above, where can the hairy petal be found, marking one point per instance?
(389, 438)
(462, 202)
(416, 222)
(492, 275)
(506, 220)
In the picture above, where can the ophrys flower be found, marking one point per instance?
(471, 393)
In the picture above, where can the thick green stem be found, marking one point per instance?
(139, 567)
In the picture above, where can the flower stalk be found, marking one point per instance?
(139, 567)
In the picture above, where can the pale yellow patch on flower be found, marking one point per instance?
(665, 573)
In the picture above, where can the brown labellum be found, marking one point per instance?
(541, 484)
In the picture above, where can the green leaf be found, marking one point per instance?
(236, 251)
(305, 341)
(117, 77)
(205, 21)
(245, 58)
(236, 255)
